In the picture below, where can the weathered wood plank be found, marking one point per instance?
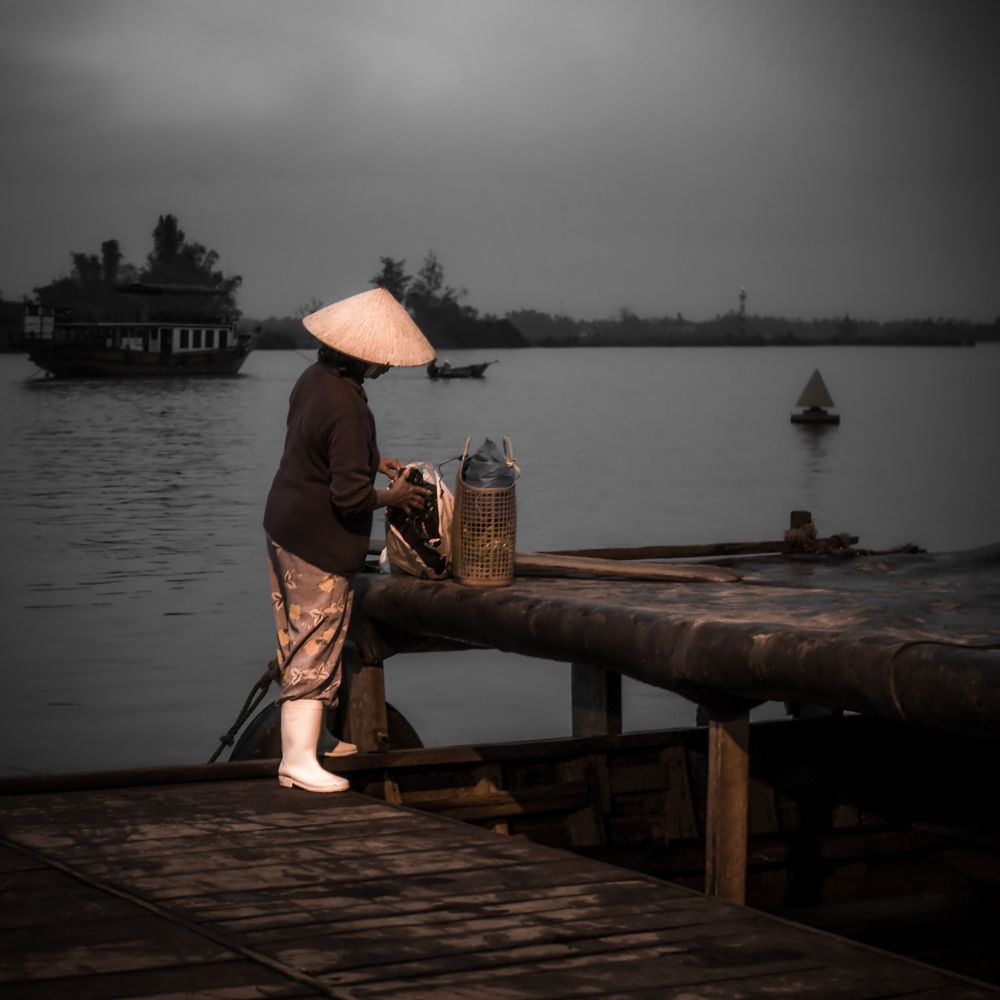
(457, 905)
(552, 564)
(37, 907)
(687, 955)
(850, 983)
(136, 941)
(401, 894)
(351, 963)
(213, 981)
(680, 820)
(533, 920)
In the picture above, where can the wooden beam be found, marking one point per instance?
(675, 551)
(364, 719)
(554, 565)
(727, 806)
(597, 701)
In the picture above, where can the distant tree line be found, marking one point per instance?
(628, 330)
(434, 305)
(94, 289)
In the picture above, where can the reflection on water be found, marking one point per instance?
(134, 604)
(816, 442)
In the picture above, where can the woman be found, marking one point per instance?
(319, 511)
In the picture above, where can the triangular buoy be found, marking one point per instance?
(815, 396)
(815, 393)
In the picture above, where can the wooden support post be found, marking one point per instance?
(597, 701)
(727, 810)
(799, 519)
(362, 699)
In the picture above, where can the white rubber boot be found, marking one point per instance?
(300, 725)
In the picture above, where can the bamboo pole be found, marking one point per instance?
(546, 563)
(676, 551)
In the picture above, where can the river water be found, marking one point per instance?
(133, 599)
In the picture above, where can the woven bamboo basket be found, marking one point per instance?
(484, 529)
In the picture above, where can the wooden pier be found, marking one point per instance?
(238, 888)
(912, 639)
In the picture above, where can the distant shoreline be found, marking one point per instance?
(713, 344)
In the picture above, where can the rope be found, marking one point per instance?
(255, 697)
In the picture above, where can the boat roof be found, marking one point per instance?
(152, 288)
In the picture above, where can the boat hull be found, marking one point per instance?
(815, 417)
(79, 361)
(468, 371)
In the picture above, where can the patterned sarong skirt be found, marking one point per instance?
(312, 609)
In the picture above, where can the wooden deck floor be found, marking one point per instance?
(242, 889)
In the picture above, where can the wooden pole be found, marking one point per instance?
(364, 719)
(674, 551)
(728, 800)
(597, 701)
(540, 562)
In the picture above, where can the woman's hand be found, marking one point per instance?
(390, 467)
(406, 496)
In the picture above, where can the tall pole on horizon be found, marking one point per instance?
(743, 313)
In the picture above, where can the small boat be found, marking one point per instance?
(815, 398)
(465, 371)
(171, 339)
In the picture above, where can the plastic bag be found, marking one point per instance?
(419, 544)
(489, 468)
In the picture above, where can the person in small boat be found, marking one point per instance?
(319, 514)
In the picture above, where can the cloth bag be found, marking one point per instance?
(419, 544)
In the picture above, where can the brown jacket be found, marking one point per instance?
(322, 498)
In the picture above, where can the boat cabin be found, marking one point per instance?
(169, 338)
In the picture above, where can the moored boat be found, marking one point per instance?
(436, 371)
(174, 330)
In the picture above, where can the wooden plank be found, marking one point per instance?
(685, 964)
(548, 563)
(680, 820)
(692, 953)
(212, 981)
(458, 904)
(536, 919)
(849, 983)
(278, 872)
(698, 551)
(36, 907)
(137, 941)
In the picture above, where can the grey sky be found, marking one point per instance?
(564, 155)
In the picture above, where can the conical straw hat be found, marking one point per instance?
(372, 327)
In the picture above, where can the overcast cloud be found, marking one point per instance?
(566, 155)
